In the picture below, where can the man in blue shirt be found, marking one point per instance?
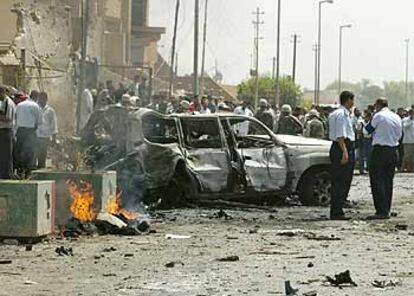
(386, 130)
(342, 154)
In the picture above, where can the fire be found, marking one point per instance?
(82, 201)
(114, 207)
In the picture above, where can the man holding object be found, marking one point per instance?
(342, 154)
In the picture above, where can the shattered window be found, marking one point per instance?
(250, 134)
(159, 130)
(201, 133)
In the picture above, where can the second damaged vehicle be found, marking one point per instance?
(185, 158)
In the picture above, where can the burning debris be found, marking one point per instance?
(87, 220)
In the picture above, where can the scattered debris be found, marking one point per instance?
(11, 242)
(173, 264)
(110, 249)
(229, 259)
(312, 236)
(386, 284)
(3, 262)
(129, 255)
(111, 219)
(403, 227)
(406, 274)
(273, 252)
(343, 278)
(175, 236)
(29, 282)
(311, 293)
(29, 248)
(109, 274)
(289, 291)
(310, 265)
(290, 233)
(62, 251)
(222, 214)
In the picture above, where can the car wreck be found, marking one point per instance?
(182, 157)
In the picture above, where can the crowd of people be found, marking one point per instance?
(28, 125)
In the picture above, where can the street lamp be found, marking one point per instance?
(341, 28)
(319, 49)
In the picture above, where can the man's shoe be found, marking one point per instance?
(378, 217)
(340, 218)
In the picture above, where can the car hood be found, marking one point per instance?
(302, 141)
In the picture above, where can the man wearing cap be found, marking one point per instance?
(7, 120)
(289, 124)
(314, 126)
(386, 129)
(264, 114)
(28, 119)
(342, 154)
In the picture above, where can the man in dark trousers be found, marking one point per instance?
(386, 130)
(342, 154)
(7, 120)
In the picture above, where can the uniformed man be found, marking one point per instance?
(289, 124)
(342, 154)
(314, 126)
(7, 120)
(264, 114)
(386, 129)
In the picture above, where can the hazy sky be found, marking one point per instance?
(374, 48)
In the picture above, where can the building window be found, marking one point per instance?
(139, 13)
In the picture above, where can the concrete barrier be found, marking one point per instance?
(27, 208)
(103, 185)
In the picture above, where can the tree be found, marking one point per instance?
(290, 93)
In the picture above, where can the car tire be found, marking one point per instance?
(315, 188)
(181, 191)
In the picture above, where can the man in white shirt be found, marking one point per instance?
(408, 142)
(243, 127)
(386, 130)
(342, 154)
(86, 108)
(7, 116)
(28, 119)
(47, 131)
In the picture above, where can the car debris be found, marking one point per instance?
(62, 251)
(311, 293)
(386, 284)
(173, 264)
(3, 262)
(175, 236)
(402, 227)
(312, 236)
(289, 291)
(229, 259)
(341, 279)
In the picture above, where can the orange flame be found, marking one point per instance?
(114, 207)
(82, 201)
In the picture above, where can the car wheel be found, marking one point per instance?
(315, 188)
(180, 192)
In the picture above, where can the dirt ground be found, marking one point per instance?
(313, 249)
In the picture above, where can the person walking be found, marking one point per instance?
(408, 142)
(386, 130)
(342, 154)
(47, 131)
(28, 119)
(7, 120)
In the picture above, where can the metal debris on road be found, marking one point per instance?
(341, 279)
(62, 251)
(229, 259)
(386, 284)
(173, 264)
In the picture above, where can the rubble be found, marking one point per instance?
(229, 259)
(289, 291)
(62, 251)
(386, 284)
(3, 262)
(173, 264)
(341, 279)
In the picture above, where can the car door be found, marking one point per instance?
(264, 160)
(206, 152)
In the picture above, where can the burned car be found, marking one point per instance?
(187, 157)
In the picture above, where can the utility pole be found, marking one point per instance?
(407, 53)
(279, 13)
(315, 50)
(176, 65)
(274, 68)
(257, 38)
(84, 49)
(196, 38)
(177, 11)
(318, 89)
(203, 58)
(341, 28)
(295, 44)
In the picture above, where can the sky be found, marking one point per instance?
(373, 48)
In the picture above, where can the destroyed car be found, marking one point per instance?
(198, 157)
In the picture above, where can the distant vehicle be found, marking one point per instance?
(191, 157)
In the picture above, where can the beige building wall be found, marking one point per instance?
(8, 21)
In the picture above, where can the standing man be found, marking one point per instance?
(86, 108)
(47, 131)
(243, 109)
(386, 129)
(408, 142)
(28, 119)
(288, 123)
(314, 126)
(342, 154)
(264, 114)
(7, 119)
